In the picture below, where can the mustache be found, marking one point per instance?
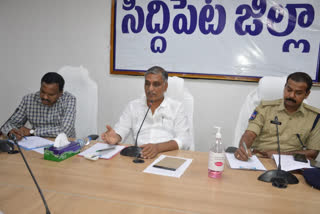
(289, 99)
(45, 100)
(150, 93)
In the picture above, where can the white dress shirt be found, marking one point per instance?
(169, 122)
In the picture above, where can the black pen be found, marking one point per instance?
(164, 167)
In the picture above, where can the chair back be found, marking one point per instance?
(176, 90)
(79, 83)
(269, 88)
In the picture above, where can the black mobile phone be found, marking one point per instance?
(315, 163)
(300, 158)
(231, 149)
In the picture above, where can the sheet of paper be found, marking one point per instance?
(165, 172)
(39, 150)
(34, 142)
(289, 164)
(105, 154)
(252, 164)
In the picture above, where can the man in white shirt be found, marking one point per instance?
(165, 127)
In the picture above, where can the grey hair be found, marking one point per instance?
(157, 70)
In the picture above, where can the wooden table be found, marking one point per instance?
(77, 185)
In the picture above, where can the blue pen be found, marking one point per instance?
(251, 168)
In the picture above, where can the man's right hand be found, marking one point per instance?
(241, 154)
(17, 132)
(110, 136)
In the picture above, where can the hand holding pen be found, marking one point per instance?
(242, 152)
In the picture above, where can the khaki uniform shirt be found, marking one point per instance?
(300, 122)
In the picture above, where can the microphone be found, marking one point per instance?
(279, 178)
(134, 151)
(13, 137)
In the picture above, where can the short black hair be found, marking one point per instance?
(301, 77)
(53, 77)
(158, 70)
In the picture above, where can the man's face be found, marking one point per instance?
(49, 93)
(294, 94)
(155, 87)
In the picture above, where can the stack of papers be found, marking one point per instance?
(289, 164)
(34, 142)
(252, 164)
(108, 154)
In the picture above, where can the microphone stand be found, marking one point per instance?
(13, 137)
(278, 177)
(8, 119)
(134, 151)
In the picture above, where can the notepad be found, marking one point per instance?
(169, 163)
(108, 154)
(34, 142)
(252, 164)
(289, 164)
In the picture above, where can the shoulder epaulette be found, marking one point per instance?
(311, 108)
(270, 102)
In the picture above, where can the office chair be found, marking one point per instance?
(79, 83)
(176, 90)
(269, 88)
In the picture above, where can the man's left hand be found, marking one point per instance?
(149, 150)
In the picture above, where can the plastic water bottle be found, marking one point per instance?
(83, 141)
(216, 157)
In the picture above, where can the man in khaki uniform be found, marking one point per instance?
(299, 131)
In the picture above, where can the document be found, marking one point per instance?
(34, 142)
(252, 164)
(107, 151)
(288, 163)
(169, 166)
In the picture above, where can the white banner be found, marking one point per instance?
(242, 38)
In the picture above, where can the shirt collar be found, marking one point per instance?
(164, 103)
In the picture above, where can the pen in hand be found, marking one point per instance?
(245, 147)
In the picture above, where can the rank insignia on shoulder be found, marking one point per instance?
(253, 115)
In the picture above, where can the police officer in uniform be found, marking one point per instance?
(299, 131)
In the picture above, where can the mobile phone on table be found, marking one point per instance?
(300, 158)
(231, 149)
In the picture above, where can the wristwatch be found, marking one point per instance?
(31, 132)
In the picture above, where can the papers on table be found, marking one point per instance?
(39, 150)
(166, 172)
(104, 154)
(289, 164)
(252, 164)
(34, 142)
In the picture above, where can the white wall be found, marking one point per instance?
(39, 36)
